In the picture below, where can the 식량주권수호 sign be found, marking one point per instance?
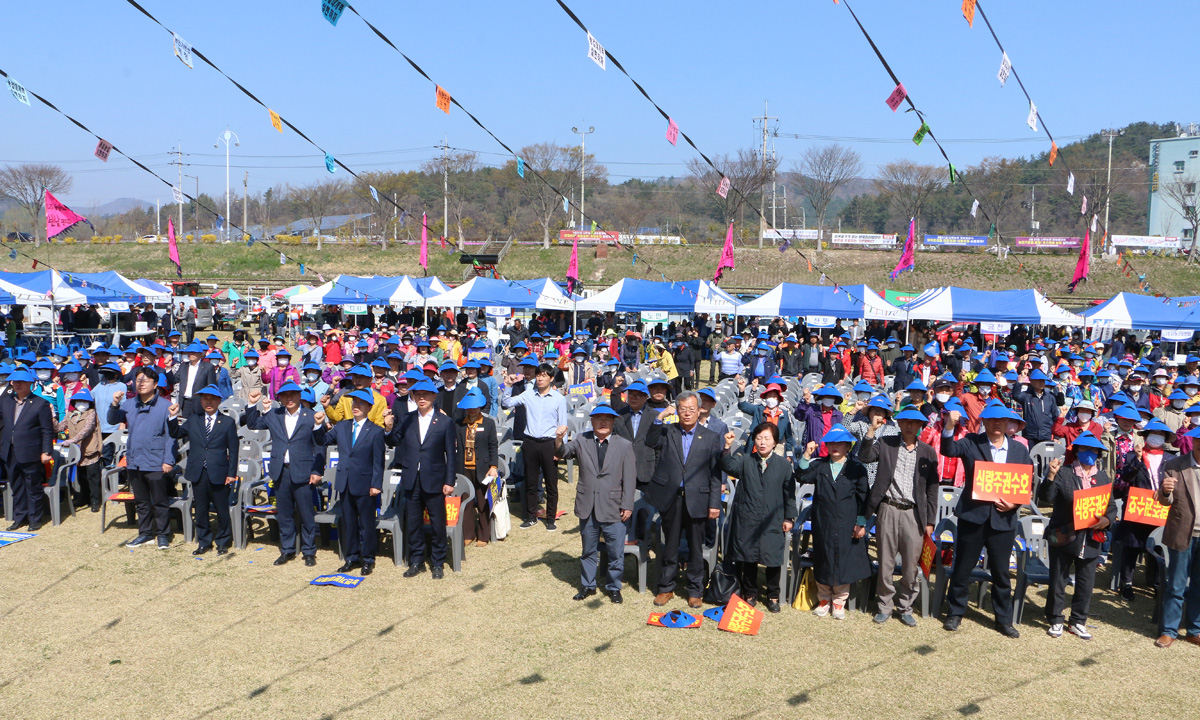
(957, 240)
(1090, 505)
(1009, 482)
(1046, 242)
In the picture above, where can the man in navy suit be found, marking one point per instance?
(212, 460)
(26, 438)
(990, 524)
(359, 480)
(191, 377)
(295, 433)
(426, 443)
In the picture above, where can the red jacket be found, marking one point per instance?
(871, 370)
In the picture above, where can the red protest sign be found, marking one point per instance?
(740, 617)
(1090, 505)
(453, 504)
(1141, 507)
(928, 551)
(443, 99)
(1002, 481)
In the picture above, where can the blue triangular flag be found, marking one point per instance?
(520, 167)
(330, 163)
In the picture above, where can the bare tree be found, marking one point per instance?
(907, 185)
(559, 165)
(996, 183)
(823, 171)
(1181, 192)
(747, 175)
(27, 185)
(319, 200)
(457, 170)
(387, 184)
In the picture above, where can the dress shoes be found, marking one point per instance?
(437, 573)
(16, 526)
(348, 566)
(34, 527)
(752, 601)
(773, 605)
(615, 597)
(222, 550)
(285, 558)
(695, 603)
(1164, 641)
(310, 561)
(202, 549)
(1008, 631)
(414, 570)
(662, 598)
(368, 568)
(584, 594)
(952, 623)
(1193, 639)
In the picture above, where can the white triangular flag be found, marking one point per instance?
(974, 208)
(1083, 210)
(178, 195)
(1095, 221)
(374, 193)
(183, 50)
(1070, 183)
(596, 51)
(1005, 69)
(1031, 121)
(282, 259)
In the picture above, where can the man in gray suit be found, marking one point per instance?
(604, 498)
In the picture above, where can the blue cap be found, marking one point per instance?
(473, 399)
(581, 350)
(60, 350)
(425, 385)
(288, 386)
(1037, 374)
(1103, 375)
(828, 390)
(881, 402)
(944, 380)
(162, 380)
(22, 375)
(472, 364)
(70, 367)
(195, 347)
(1128, 412)
(838, 433)
(863, 386)
(985, 377)
(611, 362)
(412, 376)
(448, 365)
(251, 354)
(528, 361)
(1086, 373)
(550, 355)
(43, 365)
(1088, 440)
(1157, 425)
(917, 385)
(711, 395)
(422, 342)
(310, 365)
(763, 336)
(282, 352)
(1011, 376)
(638, 386)
(911, 413)
(1190, 380)
(381, 364)
(1178, 395)
(520, 346)
(110, 367)
(1195, 433)
(583, 331)
(484, 361)
(361, 371)
(363, 395)
(954, 404)
(603, 410)
(212, 390)
(479, 345)
(994, 412)
(308, 396)
(83, 394)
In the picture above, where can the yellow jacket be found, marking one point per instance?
(666, 363)
(342, 410)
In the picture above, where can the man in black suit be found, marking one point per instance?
(686, 489)
(212, 461)
(26, 438)
(634, 426)
(990, 524)
(294, 470)
(359, 480)
(426, 447)
(191, 377)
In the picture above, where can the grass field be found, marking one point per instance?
(91, 629)
(756, 268)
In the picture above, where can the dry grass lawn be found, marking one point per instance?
(90, 629)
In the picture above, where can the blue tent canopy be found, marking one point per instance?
(1142, 312)
(791, 300)
(1027, 307)
(633, 295)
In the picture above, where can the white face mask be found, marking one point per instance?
(771, 402)
(1155, 440)
(1062, 377)
(312, 376)
(44, 375)
(1194, 419)
(1002, 382)
(1178, 404)
(943, 397)
(1190, 391)
(1135, 387)
(762, 353)
(283, 362)
(252, 361)
(1084, 417)
(828, 402)
(864, 396)
(579, 359)
(984, 389)
(82, 405)
(1160, 381)
(70, 377)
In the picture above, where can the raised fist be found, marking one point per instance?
(1168, 484)
(729, 439)
(319, 418)
(266, 403)
(117, 399)
(955, 416)
(255, 396)
(388, 421)
(810, 450)
(561, 432)
(741, 385)
(878, 421)
(1055, 465)
(174, 410)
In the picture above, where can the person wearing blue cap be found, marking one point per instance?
(26, 438)
(361, 448)
(426, 453)
(903, 498)
(838, 519)
(294, 468)
(224, 383)
(819, 412)
(48, 389)
(769, 407)
(833, 366)
(762, 363)
(212, 461)
(248, 377)
(870, 367)
(904, 368)
(478, 461)
(1039, 406)
(312, 379)
(1179, 489)
(990, 524)
(149, 455)
(337, 405)
(82, 429)
(283, 372)
(1074, 552)
(546, 412)
(190, 377)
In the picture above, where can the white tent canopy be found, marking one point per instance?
(1026, 307)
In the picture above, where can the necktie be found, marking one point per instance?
(208, 426)
(354, 436)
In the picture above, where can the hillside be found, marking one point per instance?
(757, 270)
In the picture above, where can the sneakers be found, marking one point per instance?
(1079, 630)
(1055, 630)
(550, 526)
(822, 610)
(528, 523)
(164, 544)
(881, 618)
(139, 541)
(839, 611)
(908, 619)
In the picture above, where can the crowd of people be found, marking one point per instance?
(878, 427)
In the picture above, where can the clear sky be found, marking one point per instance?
(522, 68)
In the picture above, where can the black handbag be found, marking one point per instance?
(722, 582)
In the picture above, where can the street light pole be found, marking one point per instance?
(1110, 134)
(582, 162)
(226, 136)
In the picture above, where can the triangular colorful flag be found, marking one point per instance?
(727, 260)
(424, 258)
(173, 248)
(573, 267)
(332, 10)
(1081, 266)
(1053, 152)
(907, 258)
(968, 10)
(442, 99)
(59, 217)
(520, 167)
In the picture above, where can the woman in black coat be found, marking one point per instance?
(478, 459)
(832, 369)
(838, 520)
(764, 508)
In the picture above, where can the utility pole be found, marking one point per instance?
(157, 217)
(395, 223)
(762, 218)
(178, 153)
(445, 148)
(226, 137)
(582, 162)
(1110, 134)
(196, 206)
(245, 197)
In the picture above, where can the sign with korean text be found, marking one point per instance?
(899, 297)
(453, 504)
(355, 308)
(862, 239)
(1141, 507)
(1090, 505)
(1010, 482)
(589, 236)
(1047, 242)
(957, 240)
(791, 234)
(585, 390)
(740, 617)
(996, 328)
(1146, 241)
(820, 321)
(338, 580)
(928, 551)
(1177, 334)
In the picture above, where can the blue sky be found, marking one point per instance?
(522, 68)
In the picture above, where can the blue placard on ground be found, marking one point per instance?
(8, 538)
(338, 580)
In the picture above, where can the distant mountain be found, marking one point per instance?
(120, 205)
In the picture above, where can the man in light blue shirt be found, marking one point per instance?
(545, 419)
